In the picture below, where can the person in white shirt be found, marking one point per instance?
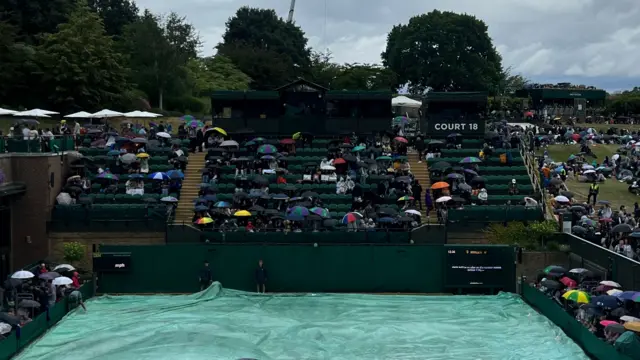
(25, 133)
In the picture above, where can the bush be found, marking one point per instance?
(531, 237)
(74, 252)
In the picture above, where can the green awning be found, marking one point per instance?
(263, 95)
(342, 95)
(228, 95)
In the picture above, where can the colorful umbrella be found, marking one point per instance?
(267, 149)
(220, 130)
(400, 119)
(195, 123)
(629, 295)
(633, 326)
(606, 323)
(242, 213)
(108, 176)
(439, 185)
(351, 217)
(204, 220)
(320, 212)
(470, 160)
(554, 269)
(406, 198)
(298, 211)
(401, 139)
(577, 296)
(159, 176)
(222, 204)
(187, 118)
(287, 141)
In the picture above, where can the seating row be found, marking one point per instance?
(492, 161)
(475, 152)
(126, 198)
(121, 188)
(330, 237)
(100, 153)
(496, 213)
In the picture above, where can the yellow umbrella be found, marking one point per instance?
(243, 213)
(143, 156)
(633, 326)
(578, 296)
(220, 130)
(296, 136)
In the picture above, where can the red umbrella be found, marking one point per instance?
(528, 114)
(339, 161)
(287, 141)
(575, 137)
(401, 139)
(568, 282)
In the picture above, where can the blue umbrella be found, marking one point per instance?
(606, 301)
(159, 176)
(199, 201)
(386, 220)
(201, 208)
(222, 204)
(136, 176)
(175, 174)
(628, 295)
(280, 197)
(113, 153)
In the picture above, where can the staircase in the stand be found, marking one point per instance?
(421, 173)
(190, 188)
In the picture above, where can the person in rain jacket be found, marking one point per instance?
(483, 196)
(341, 187)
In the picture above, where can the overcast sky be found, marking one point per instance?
(590, 42)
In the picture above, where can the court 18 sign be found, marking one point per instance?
(456, 127)
(447, 126)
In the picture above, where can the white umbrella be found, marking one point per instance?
(81, 115)
(35, 113)
(229, 143)
(412, 212)
(140, 114)
(22, 274)
(628, 318)
(164, 135)
(152, 114)
(587, 167)
(614, 292)
(561, 198)
(62, 280)
(106, 113)
(578, 270)
(327, 168)
(66, 267)
(443, 199)
(7, 111)
(610, 283)
(405, 101)
(589, 172)
(530, 202)
(64, 199)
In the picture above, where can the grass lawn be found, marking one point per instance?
(605, 127)
(611, 190)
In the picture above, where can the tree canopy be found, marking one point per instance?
(443, 51)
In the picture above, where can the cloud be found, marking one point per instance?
(580, 41)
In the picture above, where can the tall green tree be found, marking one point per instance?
(215, 73)
(323, 70)
(80, 67)
(253, 35)
(116, 14)
(443, 51)
(510, 83)
(34, 17)
(365, 77)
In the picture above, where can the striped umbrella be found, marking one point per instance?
(267, 149)
(577, 296)
(406, 198)
(299, 211)
(351, 217)
(204, 220)
(320, 212)
(159, 176)
(470, 160)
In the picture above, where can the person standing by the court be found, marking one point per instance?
(205, 277)
(261, 277)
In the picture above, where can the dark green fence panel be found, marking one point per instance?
(583, 337)
(8, 346)
(292, 268)
(32, 330)
(57, 312)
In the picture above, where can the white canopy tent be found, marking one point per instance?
(405, 101)
(141, 114)
(35, 113)
(81, 115)
(7, 111)
(106, 113)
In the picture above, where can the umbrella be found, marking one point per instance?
(439, 185)
(29, 304)
(204, 221)
(287, 141)
(35, 113)
(358, 148)
(577, 296)
(339, 161)
(610, 283)
(606, 301)
(614, 292)
(242, 213)
(633, 326)
(412, 212)
(81, 114)
(443, 199)
(139, 140)
(406, 198)
(222, 204)
(298, 211)
(175, 174)
(200, 208)
(569, 282)
(163, 135)
(9, 319)
(622, 228)
(554, 269)
(194, 123)
(470, 160)
(187, 118)
(128, 158)
(49, 275)
(142, 156)
(383, 158)
(159, 176)
(324, 213)
(401, 139)
(141, 114)
(169, 199)
(441, 165)
(615, 328)
(62, 280)
(455, 176)
(220, 130)
(22, 274)
(106, 113)
(628, 295)
(63, 268)
(351, 217)
(606, 323)
(628, 318)
(561, 198)
(7, 111)
(229, 143)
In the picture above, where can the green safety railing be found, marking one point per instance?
(19, 145)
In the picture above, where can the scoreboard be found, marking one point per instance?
(480, 266)
(112, 261)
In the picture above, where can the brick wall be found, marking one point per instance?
(535, 261)
(57, 241)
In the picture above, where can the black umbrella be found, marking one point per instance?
(568, 194)
(578, 208)
(257, 208)
(9, 319)
(310, 194)
(29, 304)
(140, 140)
(387, 211)
(49, 275)
(578, 230)
(552, 284)
(200, 208)
(478, 180)
(260, 180)
(441, 165)
(350, 158)
(12, 283)
(622, 228)
(330, 223)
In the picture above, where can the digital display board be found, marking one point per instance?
(112, 262)
(488, 266)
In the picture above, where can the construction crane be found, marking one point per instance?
(291, 8)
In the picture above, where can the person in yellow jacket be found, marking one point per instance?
(594, 189)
